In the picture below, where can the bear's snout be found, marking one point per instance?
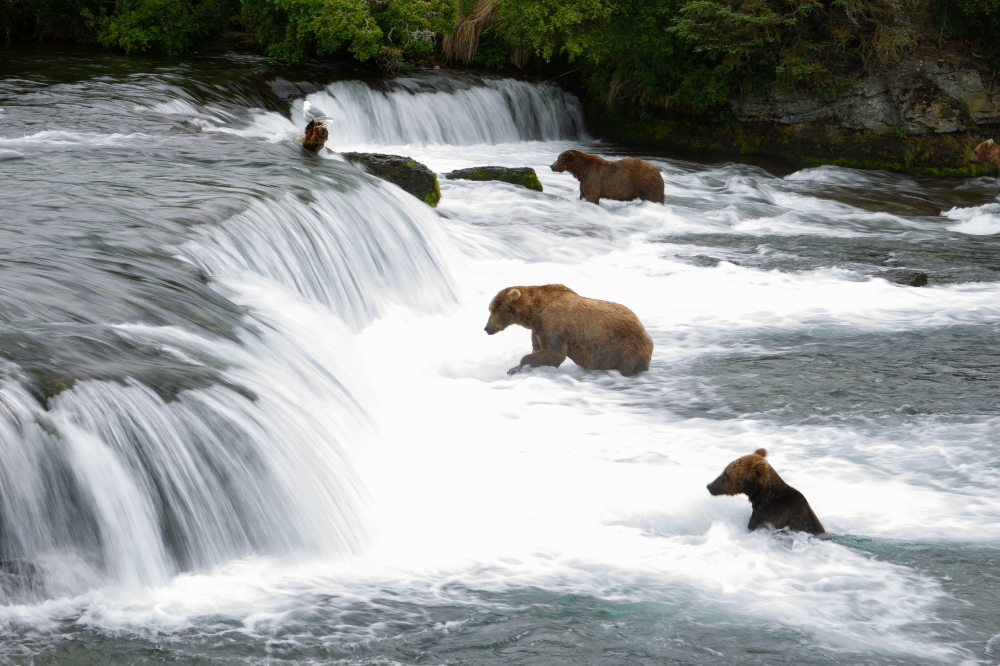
(555, 166)
(491, 328)
(715, 487)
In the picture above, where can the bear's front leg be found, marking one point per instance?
(591, 191)
(552, 355)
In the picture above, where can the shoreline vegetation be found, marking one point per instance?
(865, 83)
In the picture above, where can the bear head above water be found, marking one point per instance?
(775, 503)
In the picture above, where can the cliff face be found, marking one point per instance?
(919, 97)
(926, 114)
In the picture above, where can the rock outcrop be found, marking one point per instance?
(410, 175)
(315, 136)
(523, 176)
(918, 97)
(904, 276)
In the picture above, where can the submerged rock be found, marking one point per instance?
(407, 173)
(904, 276)
(523, 176)
(705, 261)
(315, 136)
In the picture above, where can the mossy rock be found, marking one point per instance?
(410, 175)
(523, 176)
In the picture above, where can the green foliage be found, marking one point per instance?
(167, 26)
(493, 50)
(571, 27)
(52, 20)
(629, 54)
(296, 29)
(977, 21)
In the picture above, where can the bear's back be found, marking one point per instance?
(786, 508)
(632, 178)
(603, 334)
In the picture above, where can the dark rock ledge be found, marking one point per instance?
(410, 175)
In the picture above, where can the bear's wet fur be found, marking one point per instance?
(775, 503)
(624, 180)
(988, 152)
(315, 136)
(596, 335)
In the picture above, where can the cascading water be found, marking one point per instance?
(354, 254)
(248, 413)
(448, 110)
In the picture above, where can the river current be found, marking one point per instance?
(249, 414)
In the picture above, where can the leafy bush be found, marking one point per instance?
(296, 29)
(697, 53)
(168, 26)
(630, 54)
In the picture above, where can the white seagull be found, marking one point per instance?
(311, 113)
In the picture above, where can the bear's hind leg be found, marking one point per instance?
(633, 365)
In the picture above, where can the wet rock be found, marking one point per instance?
(868, 106)
(410, 175)
(705, 261)
(523, 176)
(315, 136)
(904, 276)
(917, 97)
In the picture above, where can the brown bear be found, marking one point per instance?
(987, 152)
(624, 180)
(596, 335)
(315, 136)
(775, 503)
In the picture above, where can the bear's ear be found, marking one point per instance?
(761, 452)
(989, 142)
(760, 471)
(513, 295)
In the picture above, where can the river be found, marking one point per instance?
(249, 414)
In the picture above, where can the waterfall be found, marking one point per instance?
(354, 247)
(204, 447)
(112, 484)
(447, 109)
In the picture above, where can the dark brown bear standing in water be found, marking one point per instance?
(624, 180)
(774, 502)
(596, 335)
(987, 152)
(315, 137)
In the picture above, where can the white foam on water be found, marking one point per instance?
(267, 125)
(66, 138)
(978, 221)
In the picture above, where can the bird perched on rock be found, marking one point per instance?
(316, 133)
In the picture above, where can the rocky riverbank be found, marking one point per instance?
(926, 114)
